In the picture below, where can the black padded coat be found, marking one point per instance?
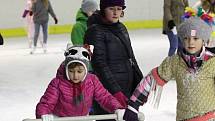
(113, 59)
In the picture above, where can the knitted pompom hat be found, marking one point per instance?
(89, 6)
(109, 3)
(76, 54)
(194, 26)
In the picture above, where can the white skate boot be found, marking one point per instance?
(33, 49)
(41, 43)
(44, 48)
(30, 44)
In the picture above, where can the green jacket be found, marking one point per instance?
(79, 29)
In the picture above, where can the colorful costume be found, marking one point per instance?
(195, 88)
(193, 70)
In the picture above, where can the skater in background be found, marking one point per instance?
(173, 10)
(27, 14)
(113, 60)
(1, 40)
(72, 92)
(88, 7)
(193, 70)
(204, 4)
(41, 10)
(207, 6)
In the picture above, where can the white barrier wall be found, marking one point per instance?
(11, 11)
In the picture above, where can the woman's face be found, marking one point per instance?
(112, 14)
(193, 44)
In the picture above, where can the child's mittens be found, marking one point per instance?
(30, 13)
(55, 20)
(141, 116)
(1, 40)
(25, 13)
(131, 114)
(171, 24)
(120, 113)
(47, 117)
(121, 98)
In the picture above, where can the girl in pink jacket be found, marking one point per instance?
(72, 93)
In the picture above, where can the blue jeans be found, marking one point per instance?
(37, 31)
(173, 41)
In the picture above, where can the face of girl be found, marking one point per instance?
(193, 44)
(112, 14)
(76, 74)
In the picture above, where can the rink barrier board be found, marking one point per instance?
(82, 118)
(141, 117)
(61, 29)
(21, 31)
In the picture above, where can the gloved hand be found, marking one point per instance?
(141, 116)
(47, 117)
(131, 114)
(30, 13)
(55, 20)
(171, 24)
(1, 40)
(25, 13)
(120, 114)
(121, 98)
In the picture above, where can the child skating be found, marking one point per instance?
(194, 73)
(207, 6)
(29, 24)
(41, 10)
(72, 92)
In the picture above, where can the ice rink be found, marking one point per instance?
(24, 77)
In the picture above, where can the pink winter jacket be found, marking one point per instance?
(58, 97)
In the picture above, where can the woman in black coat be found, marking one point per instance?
(113, 59)
(1, 40)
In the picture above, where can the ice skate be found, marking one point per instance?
(33, 49)
(44, 48)
(41, 43)
(30, 43)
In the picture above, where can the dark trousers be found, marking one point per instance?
(175, 43)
